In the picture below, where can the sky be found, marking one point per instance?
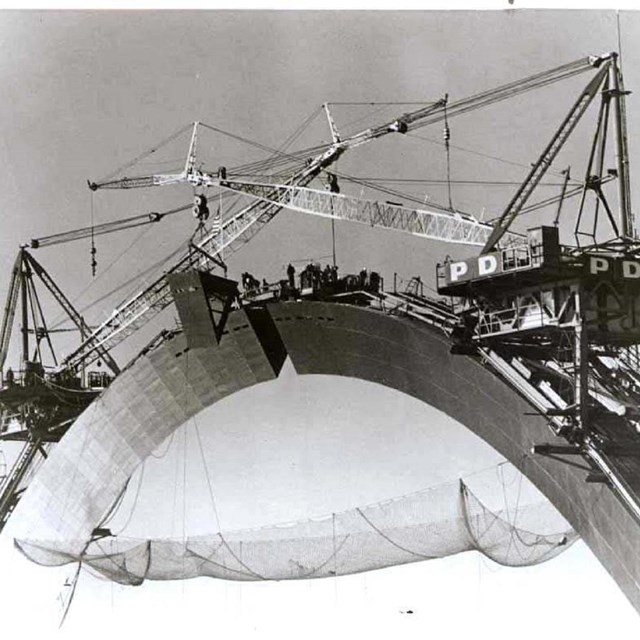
(85, 92)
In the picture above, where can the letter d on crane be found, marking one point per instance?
(487, 265)
(457, 270)
(630, 270)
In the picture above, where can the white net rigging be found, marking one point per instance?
(433, 523)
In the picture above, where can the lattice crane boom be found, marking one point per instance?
(550, 152)
(237, 230)
(10, 310)
(430, 114)
(107, 227)
(234, 232)
(434, 225)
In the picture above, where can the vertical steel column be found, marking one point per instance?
(581, 372)
(622, 157)
(25, 308)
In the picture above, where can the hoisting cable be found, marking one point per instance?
(282, 160)
(366, 116)
(135, 278)
(474, 183)
(447, 136)
(252, 143)
(333, 187)
(498, 94)
(146, 153)
(554, 199)
(271, 162)
(93, 251)
(482, 155)
(511, 89)
(567, 177)
(392, 192)
(216, 227)
(299, 130)
(106, 227)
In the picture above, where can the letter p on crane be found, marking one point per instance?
(598, 265)
(457, 270)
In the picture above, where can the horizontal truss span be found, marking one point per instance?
(434, 225)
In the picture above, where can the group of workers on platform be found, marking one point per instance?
(313, 278)
(33, 374)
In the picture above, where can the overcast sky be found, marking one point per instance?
(85, 92)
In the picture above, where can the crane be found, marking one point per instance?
(544, 161)
(267, 199)
(234, 232)
(107, 227)
(134, 313)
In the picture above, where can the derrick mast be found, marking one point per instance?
(561, 310)
(37, 405)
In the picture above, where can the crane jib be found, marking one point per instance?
(548, 155)
(246, 223)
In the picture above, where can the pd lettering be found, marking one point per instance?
(598, 265)
(624, 269)
(487, 265)
(630, 270)
(458, 270)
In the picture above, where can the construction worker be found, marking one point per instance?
(291, 272)
(363, 277)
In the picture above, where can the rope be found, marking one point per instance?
(164, 453)
(144, 154)
(481, 183)
(509, 90)
(447, 136)
(135, 278)
(376, 103)
(213, 502)
(64, 318)
(512, 532)
(93, 250)
(74, 584)
(135, 501)
(366, 116)
(482, 155)
(299, 130)
(53, 385)
(392, 192)
(390, 541)
(252, 143)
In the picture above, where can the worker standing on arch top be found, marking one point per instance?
(291, 272)
(363, 277)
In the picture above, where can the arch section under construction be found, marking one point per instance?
(187, 372)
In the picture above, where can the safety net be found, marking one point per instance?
(433, 523)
